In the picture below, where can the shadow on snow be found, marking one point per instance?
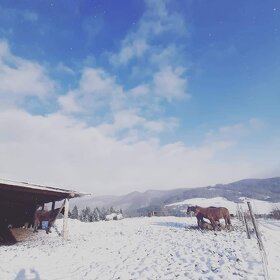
(175, 225)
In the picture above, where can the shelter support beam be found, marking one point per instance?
(65, 219)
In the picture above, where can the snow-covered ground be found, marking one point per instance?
(259, 206)
(270, 230)
(141, 248)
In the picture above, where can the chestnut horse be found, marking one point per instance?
(213, 214)
(50, 216)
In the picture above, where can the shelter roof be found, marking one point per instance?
(26, 192)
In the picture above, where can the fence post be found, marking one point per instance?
(260, 243)
(246, 224)
(241, 215)
(255, 226)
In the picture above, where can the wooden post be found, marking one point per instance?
(43, 207)
(246, 225)
(65, 219)
(255, 226)
(59, 211)
(53, 205)
(237, 212)
(260, 243)
(241, 215)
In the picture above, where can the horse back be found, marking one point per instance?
(215, 212)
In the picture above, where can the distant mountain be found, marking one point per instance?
(136, 203)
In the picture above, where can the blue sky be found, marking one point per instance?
(154, 93)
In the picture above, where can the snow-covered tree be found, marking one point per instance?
(85, 214)
(103, 213)
(112, 210)
(75, 213)
(96, 214)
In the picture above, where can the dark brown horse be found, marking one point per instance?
(213, 214)
(50, 216)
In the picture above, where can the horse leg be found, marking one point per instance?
(35, 228)
(218, 224)
(36, 224)
(199, 222)
(213, 223)
(49, 226)
(228, 222)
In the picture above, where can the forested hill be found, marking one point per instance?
(262, 189)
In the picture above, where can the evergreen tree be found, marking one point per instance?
(96, 214)
(75, 213)
(85, 215)
(112, 210)
(103, 213)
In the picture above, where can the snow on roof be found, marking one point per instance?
(40, 188)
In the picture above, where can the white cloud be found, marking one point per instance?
(97, 89)
(129, 109)
(159, 72)
(65, 69)
(140, 90)
(162, 125)
(156, 19)
(130, 120)
(165, 56)
(169, 84)
(130, 49)
(62, 151)
(96, 82)
(20, 78)
(68, 103)
(126, 119)
(236, 131)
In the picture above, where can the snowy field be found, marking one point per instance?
(142, 248)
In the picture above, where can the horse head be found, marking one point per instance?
(191, 209)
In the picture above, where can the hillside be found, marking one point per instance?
(137, 202)
(259, 206)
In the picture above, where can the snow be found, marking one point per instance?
(42, 188)
(259, 206)
(206, 202)
(138, 248)
(270, 230)
(262, 207)
(113, 216)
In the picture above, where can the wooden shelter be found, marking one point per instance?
(19, 201)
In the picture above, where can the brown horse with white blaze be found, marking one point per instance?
(213, 214)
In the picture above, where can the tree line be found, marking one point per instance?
(95, 215)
